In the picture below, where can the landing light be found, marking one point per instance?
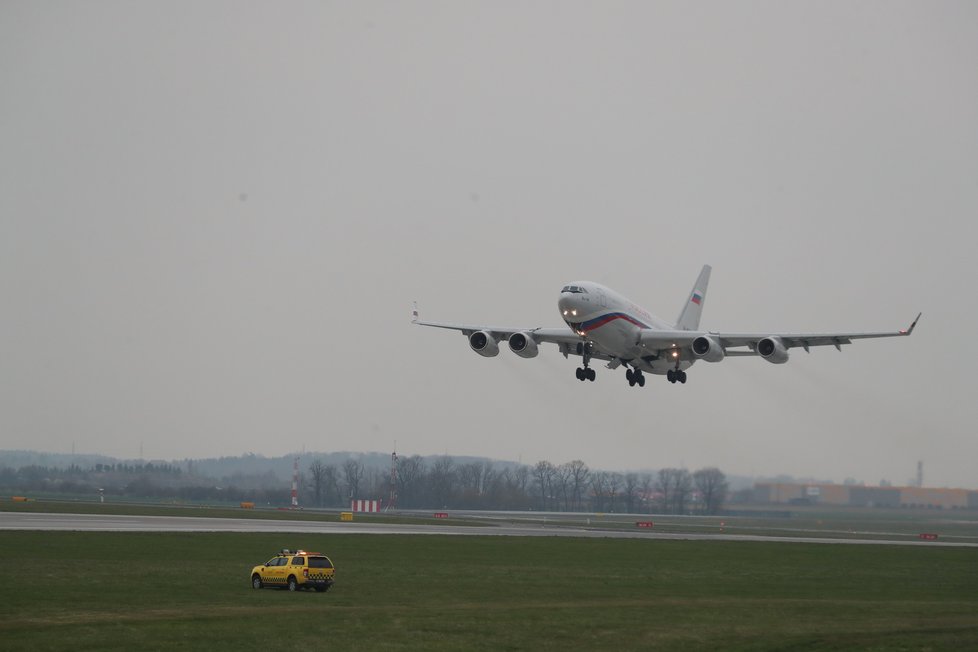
(574, 312)
(675, 354)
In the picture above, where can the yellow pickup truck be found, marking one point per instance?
(294, 570)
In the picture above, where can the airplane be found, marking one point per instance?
(603, 325)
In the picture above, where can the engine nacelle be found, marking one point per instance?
(707, 348)
(773, 350)
(523, 345)
(484, 344)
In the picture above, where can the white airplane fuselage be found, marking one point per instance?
(614, 323)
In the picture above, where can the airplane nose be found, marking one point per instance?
(567, 306)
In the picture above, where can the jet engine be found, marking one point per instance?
(523, 345)
(773, 350)
(484, 344)
(708, 348)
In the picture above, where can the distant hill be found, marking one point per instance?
(19, 459)
(222, 467)
(258, 465)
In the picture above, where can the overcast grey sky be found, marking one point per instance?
(214, 217)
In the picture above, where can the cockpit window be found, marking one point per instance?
(573, 289)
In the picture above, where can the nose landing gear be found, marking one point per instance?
(585, 372)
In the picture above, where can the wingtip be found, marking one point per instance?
(913, 325)
(414, 313)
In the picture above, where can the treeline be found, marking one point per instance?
(445, 483)
(161, 481)
(418, 483)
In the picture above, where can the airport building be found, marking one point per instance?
(863, 496)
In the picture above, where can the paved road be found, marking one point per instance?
(118, 523)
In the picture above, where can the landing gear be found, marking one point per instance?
(585, 373)
(676, 376)
(635, 377)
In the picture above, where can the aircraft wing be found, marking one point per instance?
(553, 335)
(563, 336)
(658, 340)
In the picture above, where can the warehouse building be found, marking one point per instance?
(781, 493)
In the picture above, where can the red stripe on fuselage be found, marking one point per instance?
(598, 322)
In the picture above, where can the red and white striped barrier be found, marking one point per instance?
(365, 505)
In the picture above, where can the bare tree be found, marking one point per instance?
(331, 485)
(614, 483)
(510, 487)
(683, 490)
(578, 480)
(470, 481)
(675, 485)
(352, 475)
(543, 474)
(317, 475)
(489, 474)
(442, 480)
(599, 491)
(521, 478)
(470, 477)
(629, 491)
(562, 487)
(647, 486)
(713, 487)
(410, 481)
(376, 481)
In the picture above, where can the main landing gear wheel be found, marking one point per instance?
(635, 378)
(676, 376)
(585, 373)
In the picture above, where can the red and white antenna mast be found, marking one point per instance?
(392, 501)
(295, 483)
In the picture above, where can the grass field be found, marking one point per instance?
(123, 591)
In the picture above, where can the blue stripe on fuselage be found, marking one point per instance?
(598, 322)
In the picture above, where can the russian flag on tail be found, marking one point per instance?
(697, 298)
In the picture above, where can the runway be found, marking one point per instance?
(123, 523)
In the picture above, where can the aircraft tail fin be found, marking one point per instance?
(689, 318)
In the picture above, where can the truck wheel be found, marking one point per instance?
(293, 585)
(256, 581)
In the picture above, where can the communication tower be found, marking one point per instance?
(920, 473)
